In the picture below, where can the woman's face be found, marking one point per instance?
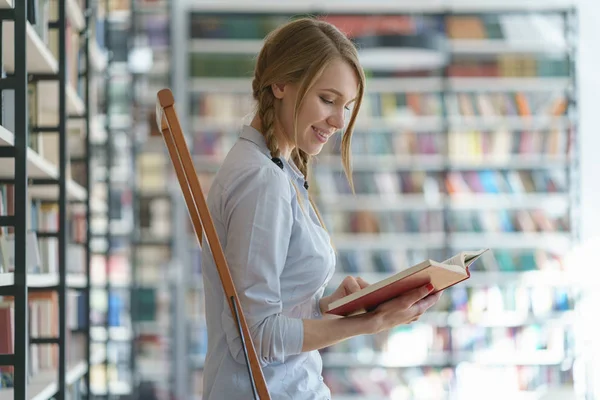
(323, 112)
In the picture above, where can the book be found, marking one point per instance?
(440, 274)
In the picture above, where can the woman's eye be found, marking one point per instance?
(326, 101)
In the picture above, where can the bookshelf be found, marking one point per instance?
(479, 153)
(111, 329)
(155, 312)
(45, 200)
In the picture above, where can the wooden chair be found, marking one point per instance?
(180, 156)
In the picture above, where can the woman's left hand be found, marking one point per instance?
(349, 285)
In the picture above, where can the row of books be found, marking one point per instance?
(155, 217)
(116, 372)
(229, 109)
(499, 145)
(43, 12)
(155, 27)
(499, 260)
(467, 382)
(111, 309)
(406, 384)
(44, 144)
(231, 65)
(509, 66)
(119, 100)
(420, 341)
(116, 267)
(490, 26)
(525, 104)
(42, 250)
(477, 147)
(153, 359)
(396, 106)
(433, 184)
(455, 221)
(43, 322)
(509, 27)
(146, 303)
(511, 303)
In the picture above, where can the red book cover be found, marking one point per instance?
(440, 275)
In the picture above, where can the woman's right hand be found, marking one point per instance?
(403, 309)
(321, 333)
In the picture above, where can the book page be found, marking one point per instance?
(465, 258)
(456, 260)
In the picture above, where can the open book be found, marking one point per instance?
(440, 274)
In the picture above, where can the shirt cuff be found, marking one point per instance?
(316, 313)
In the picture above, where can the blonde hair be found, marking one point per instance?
(298, 52)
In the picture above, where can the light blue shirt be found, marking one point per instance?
(280, 260)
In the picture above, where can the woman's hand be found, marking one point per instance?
(321, 333)
(348, 286)
(403, 309)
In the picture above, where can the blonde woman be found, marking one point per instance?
(307, 81)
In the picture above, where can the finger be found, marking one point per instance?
(426, 303)
(417, 294)
(361, 282)
(350, 285)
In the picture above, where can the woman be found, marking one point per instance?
(307, 79)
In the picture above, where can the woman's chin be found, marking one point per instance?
(314, 150)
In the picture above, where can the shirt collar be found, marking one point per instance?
(254, 136)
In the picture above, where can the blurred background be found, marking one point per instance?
(479, 129)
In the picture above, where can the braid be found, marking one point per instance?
(266, 113)
(301, 158)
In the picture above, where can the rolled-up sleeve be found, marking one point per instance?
(258, 216)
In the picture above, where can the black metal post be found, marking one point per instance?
(21, 140)
(133, 290)
(62, 199)
(88, 189)
(107, 180)
(445, 133)
(2, 73)
(574, 162)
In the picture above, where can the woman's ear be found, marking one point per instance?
(278, 90)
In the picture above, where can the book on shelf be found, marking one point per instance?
(440, 274)
(7, 252)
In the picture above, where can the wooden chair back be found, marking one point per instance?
(170, 128)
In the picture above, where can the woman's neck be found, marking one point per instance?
(284, 150)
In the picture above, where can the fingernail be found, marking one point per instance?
(430, 287)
